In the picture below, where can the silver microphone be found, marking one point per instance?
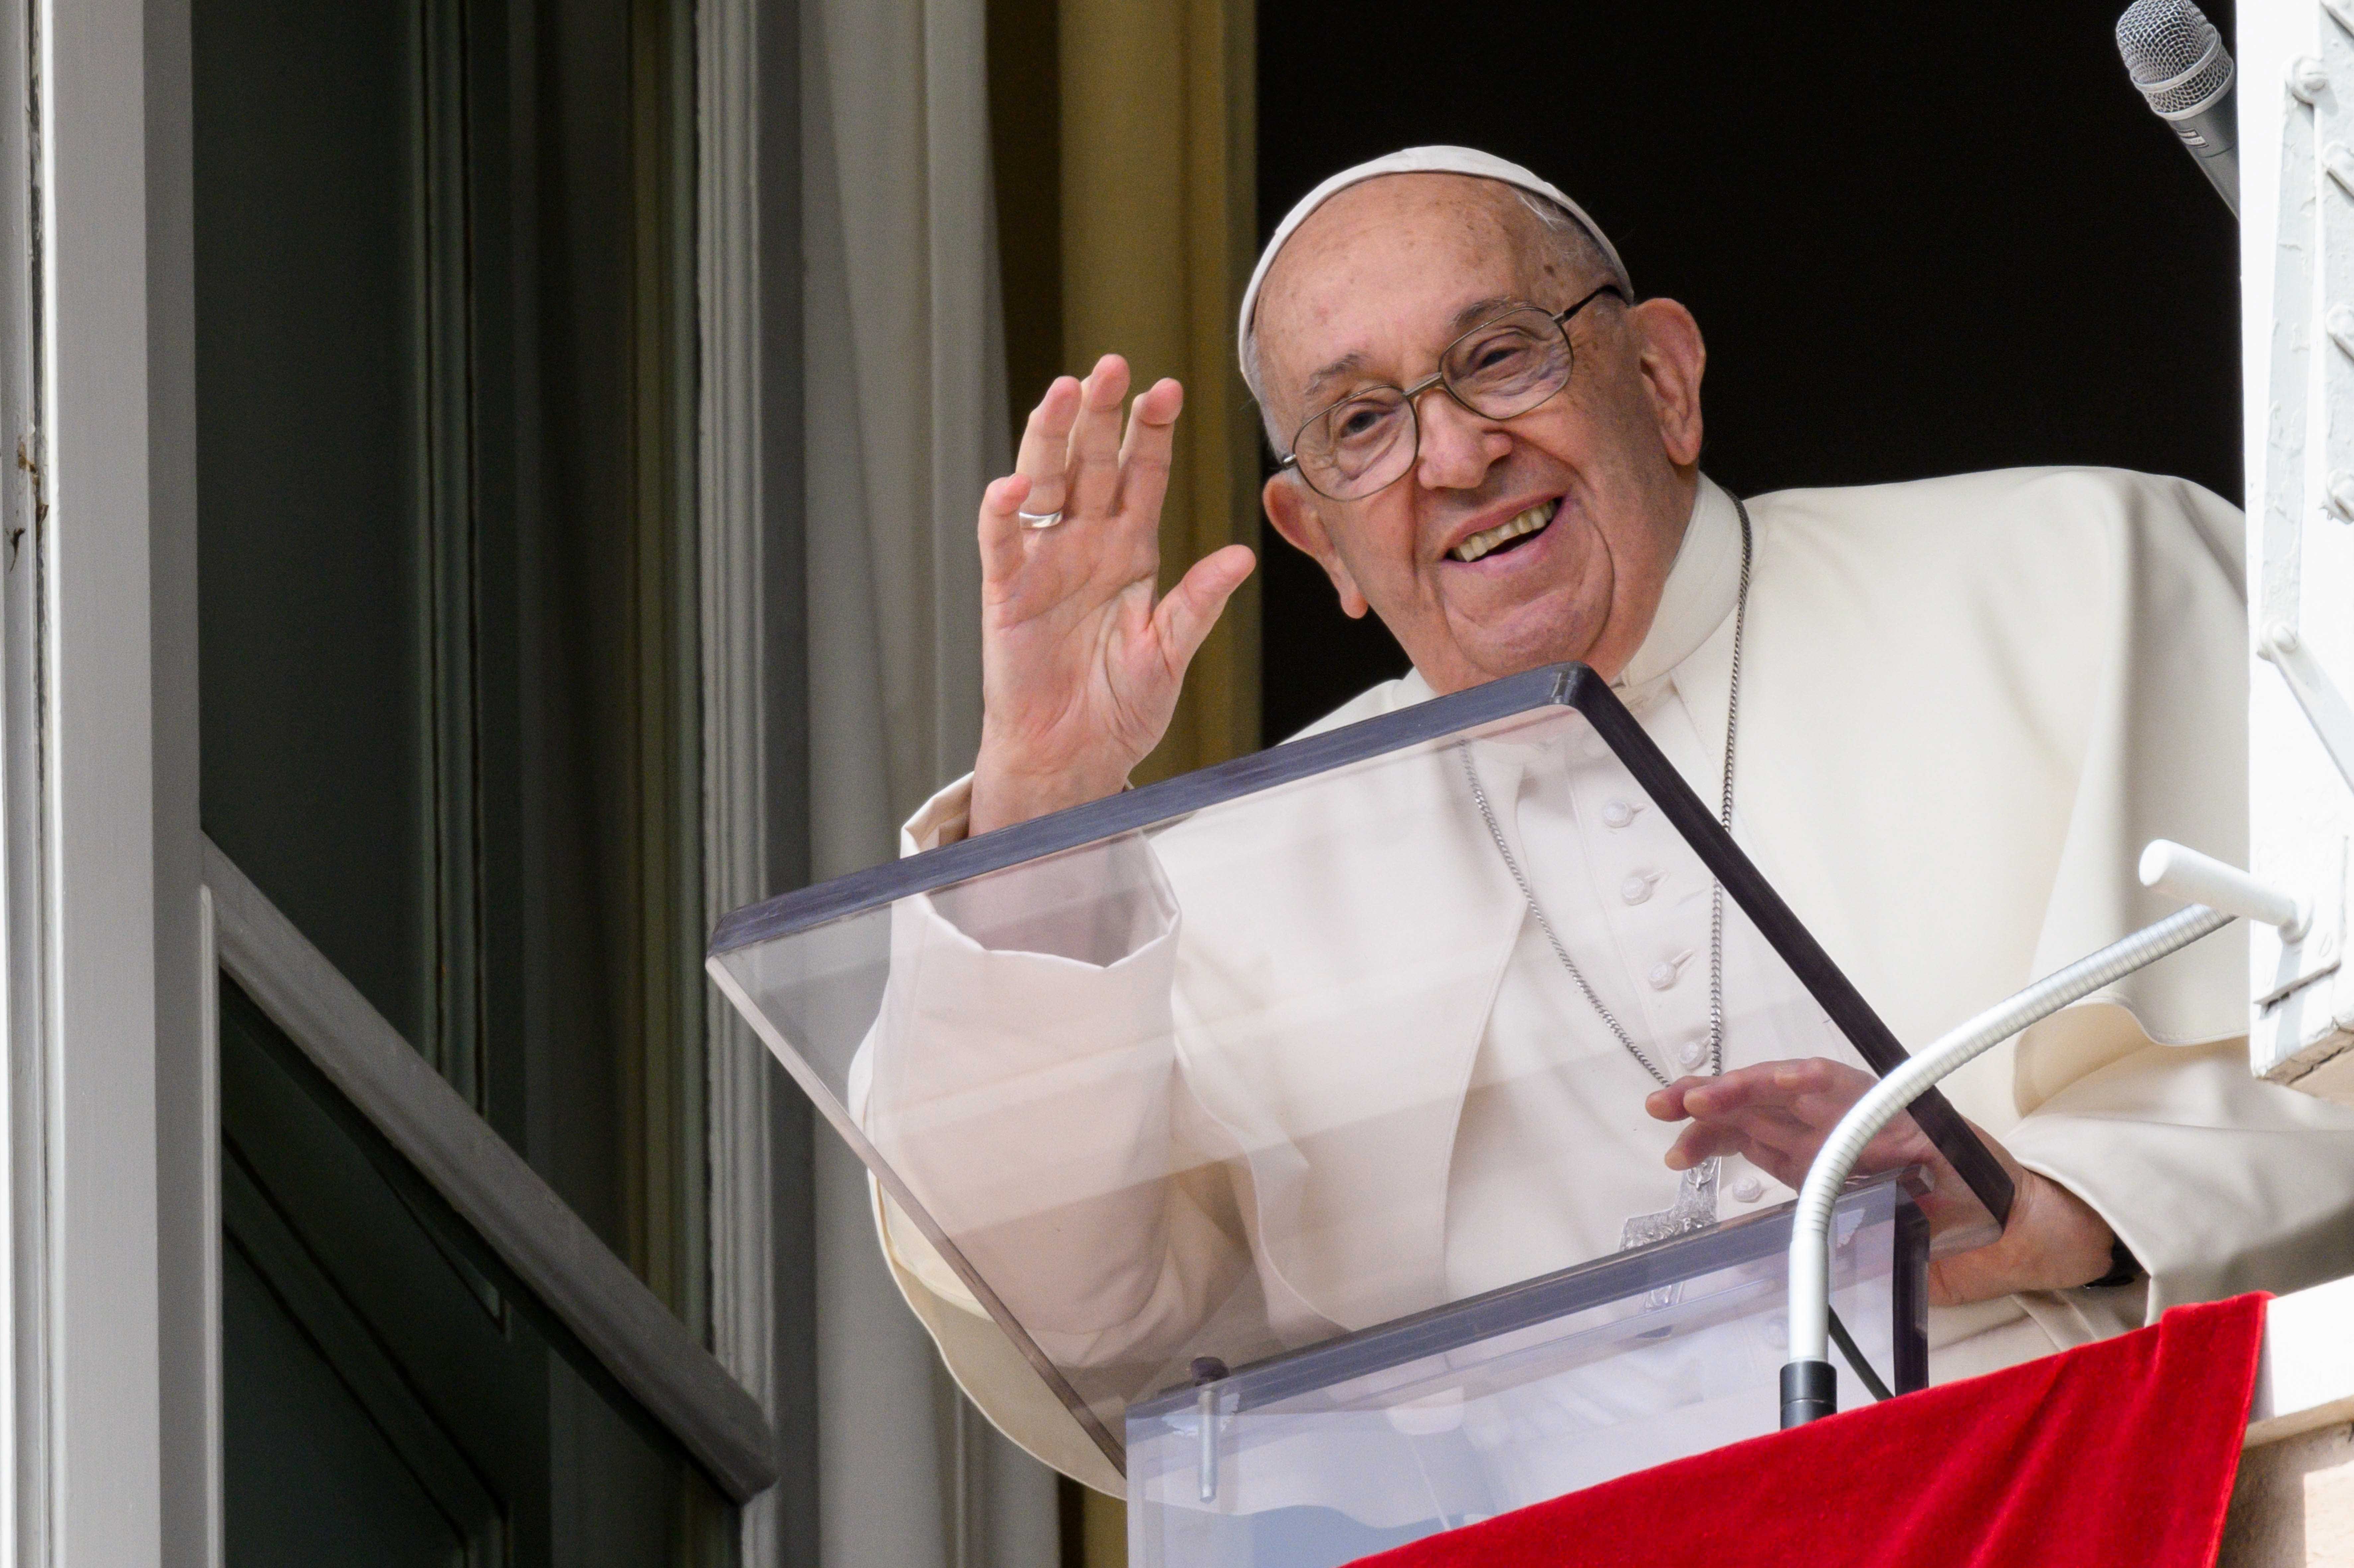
(2177, 60)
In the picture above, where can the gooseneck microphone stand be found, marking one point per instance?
(2217, 894)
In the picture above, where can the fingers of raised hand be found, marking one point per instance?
(1144, 455)
(1001, 525)
(1094, 464)
(1186, 614)
(1046, 455)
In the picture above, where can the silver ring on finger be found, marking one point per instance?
(1039, 519)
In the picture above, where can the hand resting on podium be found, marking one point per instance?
(1776, 1116)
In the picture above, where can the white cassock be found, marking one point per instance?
(1966, 705)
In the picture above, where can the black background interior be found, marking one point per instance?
(1919, 242)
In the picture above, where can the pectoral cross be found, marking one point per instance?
(1693, 1210)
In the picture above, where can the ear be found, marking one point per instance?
(1294, 509)
(1670, 360)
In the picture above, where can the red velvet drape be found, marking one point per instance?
(2115, 1455)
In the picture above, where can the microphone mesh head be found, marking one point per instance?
(2174, 54)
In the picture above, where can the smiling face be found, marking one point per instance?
(1509, 544)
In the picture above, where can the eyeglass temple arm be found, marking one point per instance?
(1611, 289)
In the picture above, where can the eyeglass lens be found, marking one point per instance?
(1499, 369)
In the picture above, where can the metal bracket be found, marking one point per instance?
(2325, 708)
(2303, 1029)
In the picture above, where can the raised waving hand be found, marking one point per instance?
(1081, 659)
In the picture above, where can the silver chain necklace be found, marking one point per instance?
(1717, 889)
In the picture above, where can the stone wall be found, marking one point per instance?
(2293, 1503)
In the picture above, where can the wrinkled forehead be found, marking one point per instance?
(1434, 159)
(1397, 266)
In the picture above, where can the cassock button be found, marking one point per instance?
(1693, 1054)
(1635, 889)
(1748, 1190)
(1618, 814)
(1662, 976)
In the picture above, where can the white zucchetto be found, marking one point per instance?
(1418, 161)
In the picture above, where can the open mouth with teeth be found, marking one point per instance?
(1509, 534)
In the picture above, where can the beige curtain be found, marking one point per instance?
(906, 419)
(905, 398)
(1159, 233)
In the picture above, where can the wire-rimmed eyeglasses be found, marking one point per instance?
(1498, 370)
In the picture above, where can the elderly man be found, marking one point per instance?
(1961, 706)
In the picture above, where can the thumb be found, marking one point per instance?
(1192, 607)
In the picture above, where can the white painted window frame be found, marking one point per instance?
(2295, 101)
(110, 1260)
(536, 1238)
(111, 1457)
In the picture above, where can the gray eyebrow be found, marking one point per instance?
(1478, 310)
(1331, 372)
(1463, 321)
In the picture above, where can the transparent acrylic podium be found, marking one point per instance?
(1268, 1080)
(1363, 1443)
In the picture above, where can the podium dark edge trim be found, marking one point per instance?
(1782, 929)
(1598, 1282)
(1574, 686)
(1912, 1303)
(1148, 807)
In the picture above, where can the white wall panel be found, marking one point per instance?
(2298, 265)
